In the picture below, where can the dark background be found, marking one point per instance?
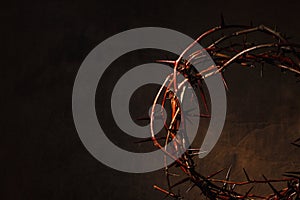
(44, 44)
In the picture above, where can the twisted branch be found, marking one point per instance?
(280, 53)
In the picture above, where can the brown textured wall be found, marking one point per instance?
(44, 44)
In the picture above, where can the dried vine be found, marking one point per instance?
(233, 46)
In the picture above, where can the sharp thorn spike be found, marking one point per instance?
(222, 20)
(190, 188)
(272, 187)
(248, 192)
(228, 173)
(246, 174)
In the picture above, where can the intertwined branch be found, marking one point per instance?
(233, 45)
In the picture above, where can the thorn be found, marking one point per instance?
(212, 175)
(247, 193)
(205, 116)
(197, 153)
(233, 187)
(297, 145)
(222, 20)
(272, 187)
(227, 177)
(292, 173)
(224, 81)
(172, 174)
(228, 173)
(166, 61)
(244, 40)
(291, 176)
(251, 23)
(190, 188)
(171, 194)
(248, 179)
(149, 140)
